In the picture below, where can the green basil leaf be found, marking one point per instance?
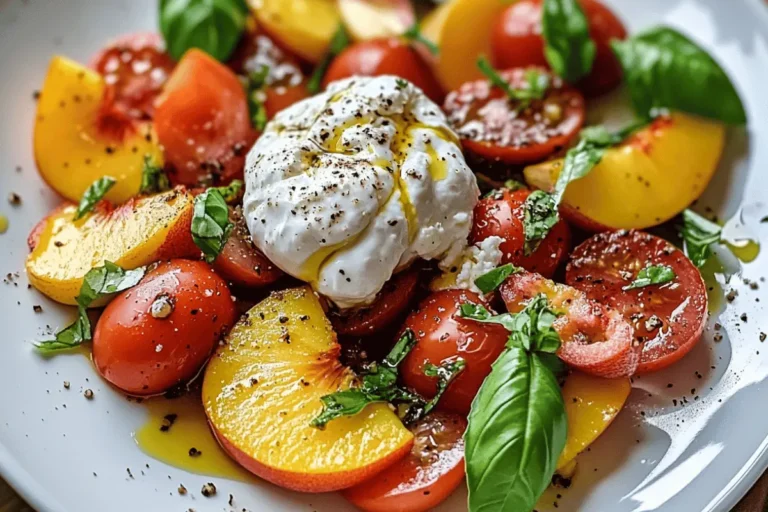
(414, 34)
(343, 403)
(568, 48)
(537, 83)
(401, 84)
(153, 178)
(578, 162)
(540, 214)
(478, 313)
(653, 274)
(93, 195)
(214, 26)
(339, 42)
(489, 281)
(445, 373)
(70, 337)
(698, 236)
(254, 90)
(231, 193)
(517, 430)
(210, 223)
(665, 69)
(513, 185)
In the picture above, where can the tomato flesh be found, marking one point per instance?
(442, 336)
(493, 127)
(667, 319)
(595, 339)
(432, 470)
(501, 214)
(160, 333)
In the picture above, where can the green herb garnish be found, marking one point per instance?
(568, 48)
(338, 43)
(93, 195)
(653, 274)
(254, 89)
(699, 234)
(414, 34)
(489, 281)
(210, 223)
(537, 83)
(153, 178)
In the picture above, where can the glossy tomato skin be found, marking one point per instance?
(517, 41)
(443, 336)
(160, 333)
(393, 300)
(491, 127)
(203, 123)
(392, 56)
(135, 68)
(501, 214)
(603, 265)
(432, 470)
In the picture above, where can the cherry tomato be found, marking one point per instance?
(495, 128)
(595, 338)
(135, 68)
(425, 477)
(285, 83)
(203, 123)
(392, 301)
(517, 42)
(160, 333)
(501, 214)
(668, 319)
(240, 262)
(392, 56)
(442, 336)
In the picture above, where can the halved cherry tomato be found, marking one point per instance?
(392, 301)
(392, 56)
(135, 68)
(668, 319)
(160, 333)
(240, 262)
(425, 477)
(501, 214)
(595, 338)
(517, 42)
(203, 123)
(442, 336)
(284, 84)
(495, 128)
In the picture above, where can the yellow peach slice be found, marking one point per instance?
(653, 176)
(137, 233)
(373, 19)
(263, 387)
(72, 151)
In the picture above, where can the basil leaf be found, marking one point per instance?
(210, 223)
(93, 195)
(401, 84)
(414, 34)
(567, 46)
(153, 178)
(489, 281)
(537, 83)
(445, 373)
(578, 162)
(513, 185)
(698, 236)
(338, 43)
(653, 274)
(254, 90)
(343, 403)
(540, 214)
(214, 26)
(517, 430)
(665, 69)
(231, 193)
(478, 313)
(70, 337)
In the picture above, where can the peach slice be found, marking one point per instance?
(75, 143)
(654, 175)
(139, 232)
(263, 387)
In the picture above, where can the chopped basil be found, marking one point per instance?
(540, 215)
(231, 193)
(698, 236)
(338, 43)
(414, 34)
(210, 223)
(70, 337)
(537, 83)
(489, 281)
(153, 178)
(254, 89)
(446, 373)
(568, 48)
(653, 274)
(513, 185)
(93, 195)
(401, 84)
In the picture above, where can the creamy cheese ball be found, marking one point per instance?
(347, 187)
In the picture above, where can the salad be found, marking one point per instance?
(383, 244)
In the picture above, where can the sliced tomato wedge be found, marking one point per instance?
(595, 339)
(392, 302)
(493, 127)
(425, 477)
(668, 319)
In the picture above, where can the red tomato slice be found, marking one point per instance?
(135, 67)
(203, 123)
(425, 477)
(442, 336)
(393, 56)
(596, 339)
(491, 127)
(392, 301)
(501, 214)
(668, 319)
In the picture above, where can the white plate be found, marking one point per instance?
(703, 456)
